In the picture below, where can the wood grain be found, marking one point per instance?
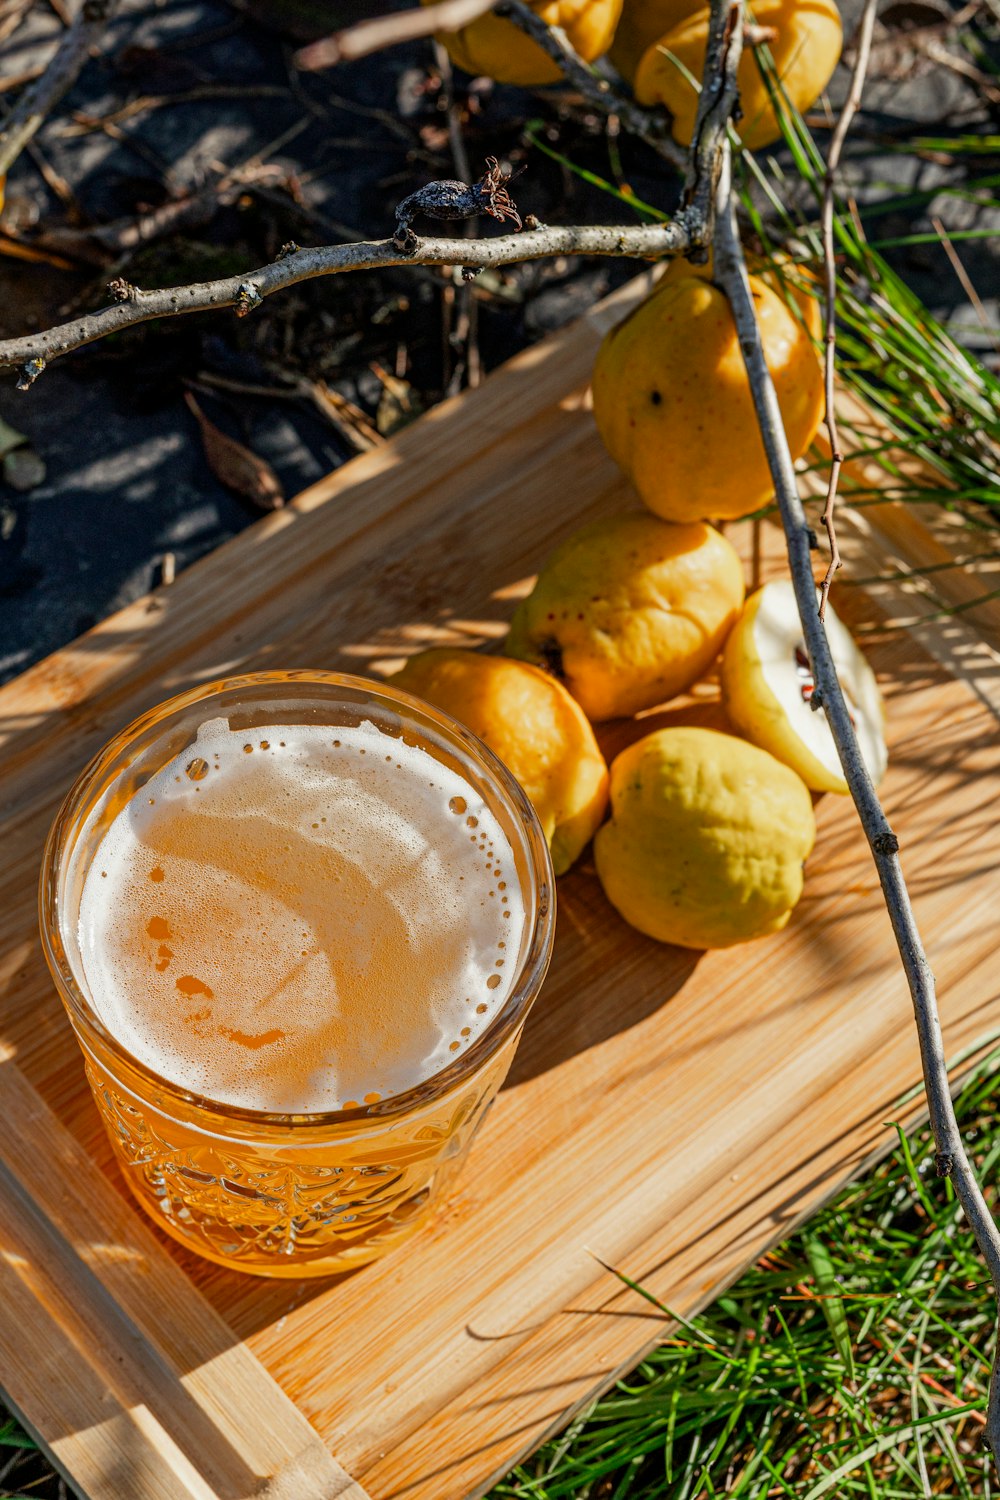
(668, 1113)
(135, 1383)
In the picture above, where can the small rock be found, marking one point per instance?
(23, 469)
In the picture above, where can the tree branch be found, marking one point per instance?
(387, 31)
(731, 275)
(449, 15)
(244, 293)
(716, 104)
(57, 79)
(851, 105)
(689, 232)
(652, 128)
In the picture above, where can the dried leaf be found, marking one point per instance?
(350, 422)
(434, 137)
(15, 250)
(399, 404)
(237, 467)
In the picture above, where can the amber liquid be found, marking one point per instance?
(277, 1204)
(296, 921)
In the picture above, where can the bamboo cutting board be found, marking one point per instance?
(669, 1114)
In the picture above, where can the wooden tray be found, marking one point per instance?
(669, 1114)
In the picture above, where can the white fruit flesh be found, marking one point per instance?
(767, 686)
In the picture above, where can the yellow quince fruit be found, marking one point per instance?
(642, 23)
(788, 279)
(706, 840)
(498, 49)
(533, 725)
(805, 46)
(767, 687)
(673, 405)
(630, 611)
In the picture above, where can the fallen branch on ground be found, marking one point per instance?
(58, 78)
(388, 31)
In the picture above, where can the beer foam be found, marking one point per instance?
(300, 918)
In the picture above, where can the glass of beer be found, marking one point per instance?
(297, 920)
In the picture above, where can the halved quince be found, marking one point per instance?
(530, 721)
(630, 611)
(767, 688)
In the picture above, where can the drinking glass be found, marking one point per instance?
(270, 1193)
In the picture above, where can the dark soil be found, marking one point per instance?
(127, 481)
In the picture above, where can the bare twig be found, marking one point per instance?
(84, 124)
(966, 282)
(11, 16)
(716, 103)
(465, 334)
(120, 238)
(449, 15)
(952, 1161)
(18, 80)
(387, 31)
(689, 232)
(650, 127)
(244, 293)
(937, 52)
(851, 105)
(61, 73)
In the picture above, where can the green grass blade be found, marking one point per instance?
(825, 1277)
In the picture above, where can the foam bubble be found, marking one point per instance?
(300, 920)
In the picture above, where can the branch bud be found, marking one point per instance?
(247, 298)
(30, 372)
(886, 842)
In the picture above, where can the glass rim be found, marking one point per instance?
(528, 980)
